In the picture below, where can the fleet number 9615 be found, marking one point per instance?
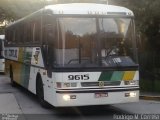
(78, 77)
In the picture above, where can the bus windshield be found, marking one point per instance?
(95, 42)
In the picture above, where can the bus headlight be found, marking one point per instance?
(69, 97)
(130, 94)
(66, 97)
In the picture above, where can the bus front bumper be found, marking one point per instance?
(96, 97)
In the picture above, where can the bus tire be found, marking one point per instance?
(13, 84)
(40, 92)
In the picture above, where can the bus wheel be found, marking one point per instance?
(11, 77)
(40, 93)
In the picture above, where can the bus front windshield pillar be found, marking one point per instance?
(98, 43)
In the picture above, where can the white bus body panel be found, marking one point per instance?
(2, 65)
(87, 8)
(83, 97)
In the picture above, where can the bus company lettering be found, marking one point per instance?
(13, 53)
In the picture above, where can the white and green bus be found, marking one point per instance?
(75, 54)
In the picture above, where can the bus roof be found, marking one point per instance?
(81, 9)
(89, 8)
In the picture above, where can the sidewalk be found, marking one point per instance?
(150, 96)
(8, 104)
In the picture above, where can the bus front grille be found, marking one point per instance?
(104, 83)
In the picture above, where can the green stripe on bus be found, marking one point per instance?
(117, 76)
(111, 76)
(105, 76)
(26, 76)
(25, 73)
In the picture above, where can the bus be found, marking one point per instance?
(2, 60)
(75, 54)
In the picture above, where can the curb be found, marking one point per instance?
(146, 97)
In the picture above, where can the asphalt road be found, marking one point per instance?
(18, 103)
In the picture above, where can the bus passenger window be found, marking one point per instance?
(36, 35)
(28, 33)
(49, 26)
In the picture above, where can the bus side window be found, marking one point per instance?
(37, 28)
(29, 33)
(6, 37)
(33, 26)
(49, 26)
(25, 33)
(21, 32)
(12, 36)
(17, 35)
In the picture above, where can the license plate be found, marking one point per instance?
(100, 95)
